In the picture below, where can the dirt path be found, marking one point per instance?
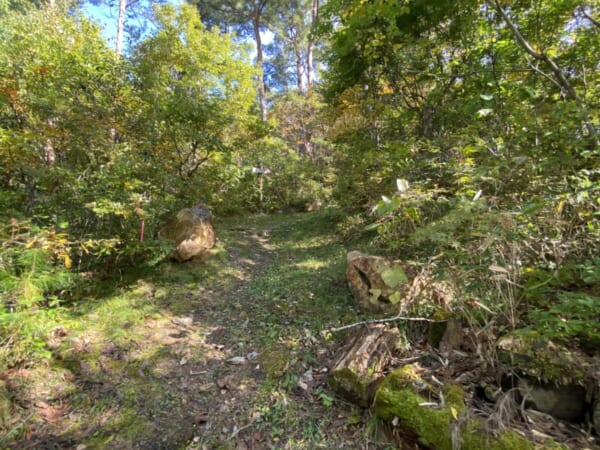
(224, 353)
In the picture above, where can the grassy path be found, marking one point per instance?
(225, 353)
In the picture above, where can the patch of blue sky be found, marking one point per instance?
(105, 13)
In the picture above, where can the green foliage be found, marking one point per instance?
(493, 148)
(574, 315)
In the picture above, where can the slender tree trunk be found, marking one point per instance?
(298, 68)
(560, 78)
(259, 61)
(310, 47)
(121, 27)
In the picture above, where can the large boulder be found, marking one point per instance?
(191, 232)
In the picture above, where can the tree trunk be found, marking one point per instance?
(121, 27)
(310, 47)
(259, 60)
(298, 67)
(357, 373)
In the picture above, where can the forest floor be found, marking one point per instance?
(222, 353)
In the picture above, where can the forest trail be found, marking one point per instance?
(222, 353)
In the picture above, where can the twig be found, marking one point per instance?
(237, 431)
(387, 320)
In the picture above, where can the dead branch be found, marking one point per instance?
(386, 320)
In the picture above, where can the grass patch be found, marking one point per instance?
(140, 358)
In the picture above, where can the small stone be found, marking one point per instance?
(307, 376)
(237, 361)
(252, 356)
(184, 321)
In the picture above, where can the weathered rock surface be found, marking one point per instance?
(563, 402)
(552, 378)
(191, 232)
(361, 366)
(375, 282)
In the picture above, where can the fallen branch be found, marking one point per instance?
(237, 431)
(386, 320)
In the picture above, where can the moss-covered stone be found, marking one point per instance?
(399, 396)
(274, 361)
(528, 353)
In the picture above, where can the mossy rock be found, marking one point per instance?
(274, 361)
(526, 352)
(401, 395)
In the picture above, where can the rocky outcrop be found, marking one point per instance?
(191, 232)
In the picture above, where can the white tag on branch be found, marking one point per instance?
(402, 185)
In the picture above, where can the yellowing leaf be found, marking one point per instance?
(375, 294)
(395, 298)
(454, 412)
(68, 261)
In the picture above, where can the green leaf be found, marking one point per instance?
(486, 97)
(395, 298)
(372, 226)
(375, 294)
(531, 207)
(393, 276)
